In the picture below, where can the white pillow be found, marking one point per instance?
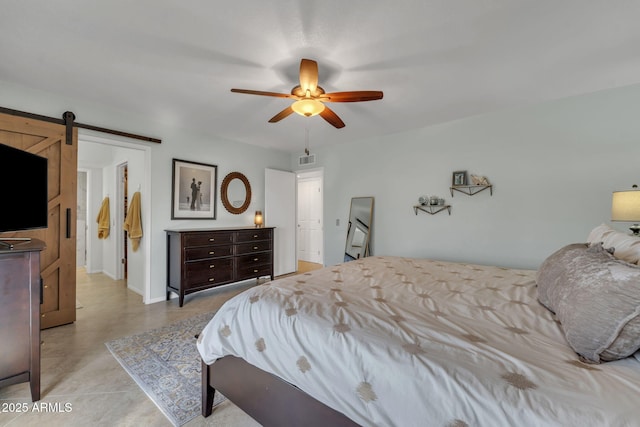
(598, 234)
(626, 247)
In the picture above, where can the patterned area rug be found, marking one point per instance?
(166, 365)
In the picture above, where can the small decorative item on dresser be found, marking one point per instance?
(258, 220)
(459, 178)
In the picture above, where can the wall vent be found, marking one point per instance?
(307, 160)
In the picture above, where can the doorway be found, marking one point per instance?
(310, 243)
(118, 168)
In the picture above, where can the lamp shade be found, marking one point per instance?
(308, 107)
(625, 206)
(258, 220)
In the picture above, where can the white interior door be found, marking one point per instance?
(280, 212)
(310, 219)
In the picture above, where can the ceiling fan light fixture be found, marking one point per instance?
(311, 97)
(308, 107)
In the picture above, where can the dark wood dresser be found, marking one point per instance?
(199, 259)
(20, 298)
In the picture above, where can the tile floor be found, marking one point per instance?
(79, 371)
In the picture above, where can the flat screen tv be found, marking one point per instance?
(23, 190)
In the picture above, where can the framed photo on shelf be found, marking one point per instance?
(459, 178)
(194, 190)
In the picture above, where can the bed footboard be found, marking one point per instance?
(265, 397)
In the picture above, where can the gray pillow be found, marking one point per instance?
(551, 269)
(596, 298)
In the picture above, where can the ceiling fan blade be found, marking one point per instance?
(353, 96)
(308, 75)
(332, 117)
(281, 115)
(259, 92)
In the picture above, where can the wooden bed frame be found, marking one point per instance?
(266, 398)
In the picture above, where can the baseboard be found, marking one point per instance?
(158, 299)
(136, 290)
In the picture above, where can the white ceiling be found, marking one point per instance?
(435, 60)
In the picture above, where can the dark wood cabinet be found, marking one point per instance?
(20, 298)
(199, 259)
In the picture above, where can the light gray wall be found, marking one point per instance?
(553, 167)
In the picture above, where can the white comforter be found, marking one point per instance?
(411, 342)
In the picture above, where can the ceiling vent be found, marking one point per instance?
(307, 160)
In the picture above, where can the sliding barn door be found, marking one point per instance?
(57, 261)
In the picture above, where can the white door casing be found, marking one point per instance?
(280, 212)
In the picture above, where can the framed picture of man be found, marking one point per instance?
(194, 193)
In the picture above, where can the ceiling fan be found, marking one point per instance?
(310, 97)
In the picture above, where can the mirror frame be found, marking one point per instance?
(224, 188)
(352, 227)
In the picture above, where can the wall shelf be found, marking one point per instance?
(471, 190)
(431, 209)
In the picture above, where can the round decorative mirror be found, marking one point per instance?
(235, 193)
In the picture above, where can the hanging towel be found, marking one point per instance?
(103, 219)
(133, 222)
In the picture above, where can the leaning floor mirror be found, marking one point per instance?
(359, 228)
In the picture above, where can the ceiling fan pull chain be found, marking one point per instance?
(306, 141)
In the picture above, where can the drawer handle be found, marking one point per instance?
(255, 271)
(255, 259)
(211, 252)
(255, 236)
(212, 266)
(212, 279)
(212, 239)
(255, 248)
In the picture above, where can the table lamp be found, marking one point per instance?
(258, 219)
(625, 207)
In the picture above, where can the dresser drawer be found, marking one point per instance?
(207, 238)
(254, 259)
(209, 272)
(253, 235)
(250, 271)
(247, 248)
(204, 252)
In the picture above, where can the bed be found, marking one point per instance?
(393, 341)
